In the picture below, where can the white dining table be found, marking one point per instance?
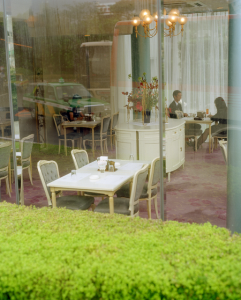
(107, 184)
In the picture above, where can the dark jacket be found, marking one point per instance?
(173, 107)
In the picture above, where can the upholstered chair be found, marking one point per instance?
(74, 136)
(149, 191)
(127, 206)
(80, 158)
(48, 172)
(224, 148)
(100, 135)
(111, 130)
(5, 150)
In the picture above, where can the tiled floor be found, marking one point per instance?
(196, 193)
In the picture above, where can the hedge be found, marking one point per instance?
(62, 254)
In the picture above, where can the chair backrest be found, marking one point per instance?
(115, 118)
(48, 172)
(179, 114)
(137, 187)
(80, 158)
(154, 177)
(58, 120)
(105, 122)
(26, 145)
(224, 149)
(5, 150)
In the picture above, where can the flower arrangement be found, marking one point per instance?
(143, 97)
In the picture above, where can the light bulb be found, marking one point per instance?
(144, 13)
(155, 16)
(136, 21)
(169, 23)
(147, 19)
(172, 18)
(174, 12)
(182, 20)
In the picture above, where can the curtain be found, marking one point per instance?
(197, 63)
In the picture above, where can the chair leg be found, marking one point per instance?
(93, 207)
(106, 146)
(101, 146)
(8, 189)
(59, 145)
(148, 202)
(72, 144)
(111, 141)
(195, 141)
(84, 144)
(156, 209)
(30, 175)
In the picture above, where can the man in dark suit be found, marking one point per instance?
(175, 105)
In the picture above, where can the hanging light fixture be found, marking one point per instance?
(171, 20)
(145, 19)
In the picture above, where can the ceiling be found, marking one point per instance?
(196, 6)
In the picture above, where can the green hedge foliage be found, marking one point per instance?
(62, 254)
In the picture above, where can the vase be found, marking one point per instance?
(147, 116)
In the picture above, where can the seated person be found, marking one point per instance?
(221, 117)
(175, 105)
(74, 114)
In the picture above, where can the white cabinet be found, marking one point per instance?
(143, 143)
(175, 148)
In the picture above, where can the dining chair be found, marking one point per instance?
(218, 135)
(81, 159)
(99, 136)
(48, 172)
(73, 136)
(111, 130)
(224, 148)
(149, 191)
(5, 150)
(127, 206)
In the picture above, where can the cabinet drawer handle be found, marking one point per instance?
(181, 148)
(180, 130)
(175, 132)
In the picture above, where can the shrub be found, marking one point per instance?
(62, 254)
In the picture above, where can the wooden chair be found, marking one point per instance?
(81, 159)
(218, 136)
(149, 191)
(99, 136)
(58, 120)
(127, 206)
(5, 151)
(48, 172)
(111, 130)
(223, 145)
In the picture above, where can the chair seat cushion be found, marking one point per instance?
(194, 132)
(121, 206)
(25, 164)
(220, 135)
(75, 202)
(125, 192)
(96, 136)
(3, 174)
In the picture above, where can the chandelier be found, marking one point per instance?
(171, 20)
(145, 19)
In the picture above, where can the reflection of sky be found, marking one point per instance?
(20, 7)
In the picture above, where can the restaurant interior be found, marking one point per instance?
(116, 106)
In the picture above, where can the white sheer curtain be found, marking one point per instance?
(197, 63)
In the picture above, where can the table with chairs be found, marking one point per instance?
(121, 191)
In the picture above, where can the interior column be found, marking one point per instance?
(234, 119)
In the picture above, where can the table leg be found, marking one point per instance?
(53, 199)
(111, 205)
(65, 142)
(210, 138)
(2, 128)
(93, 142)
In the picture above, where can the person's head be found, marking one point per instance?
(220, 103)
(177, 95)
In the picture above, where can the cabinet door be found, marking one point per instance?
(182, 144)
(172, 152)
